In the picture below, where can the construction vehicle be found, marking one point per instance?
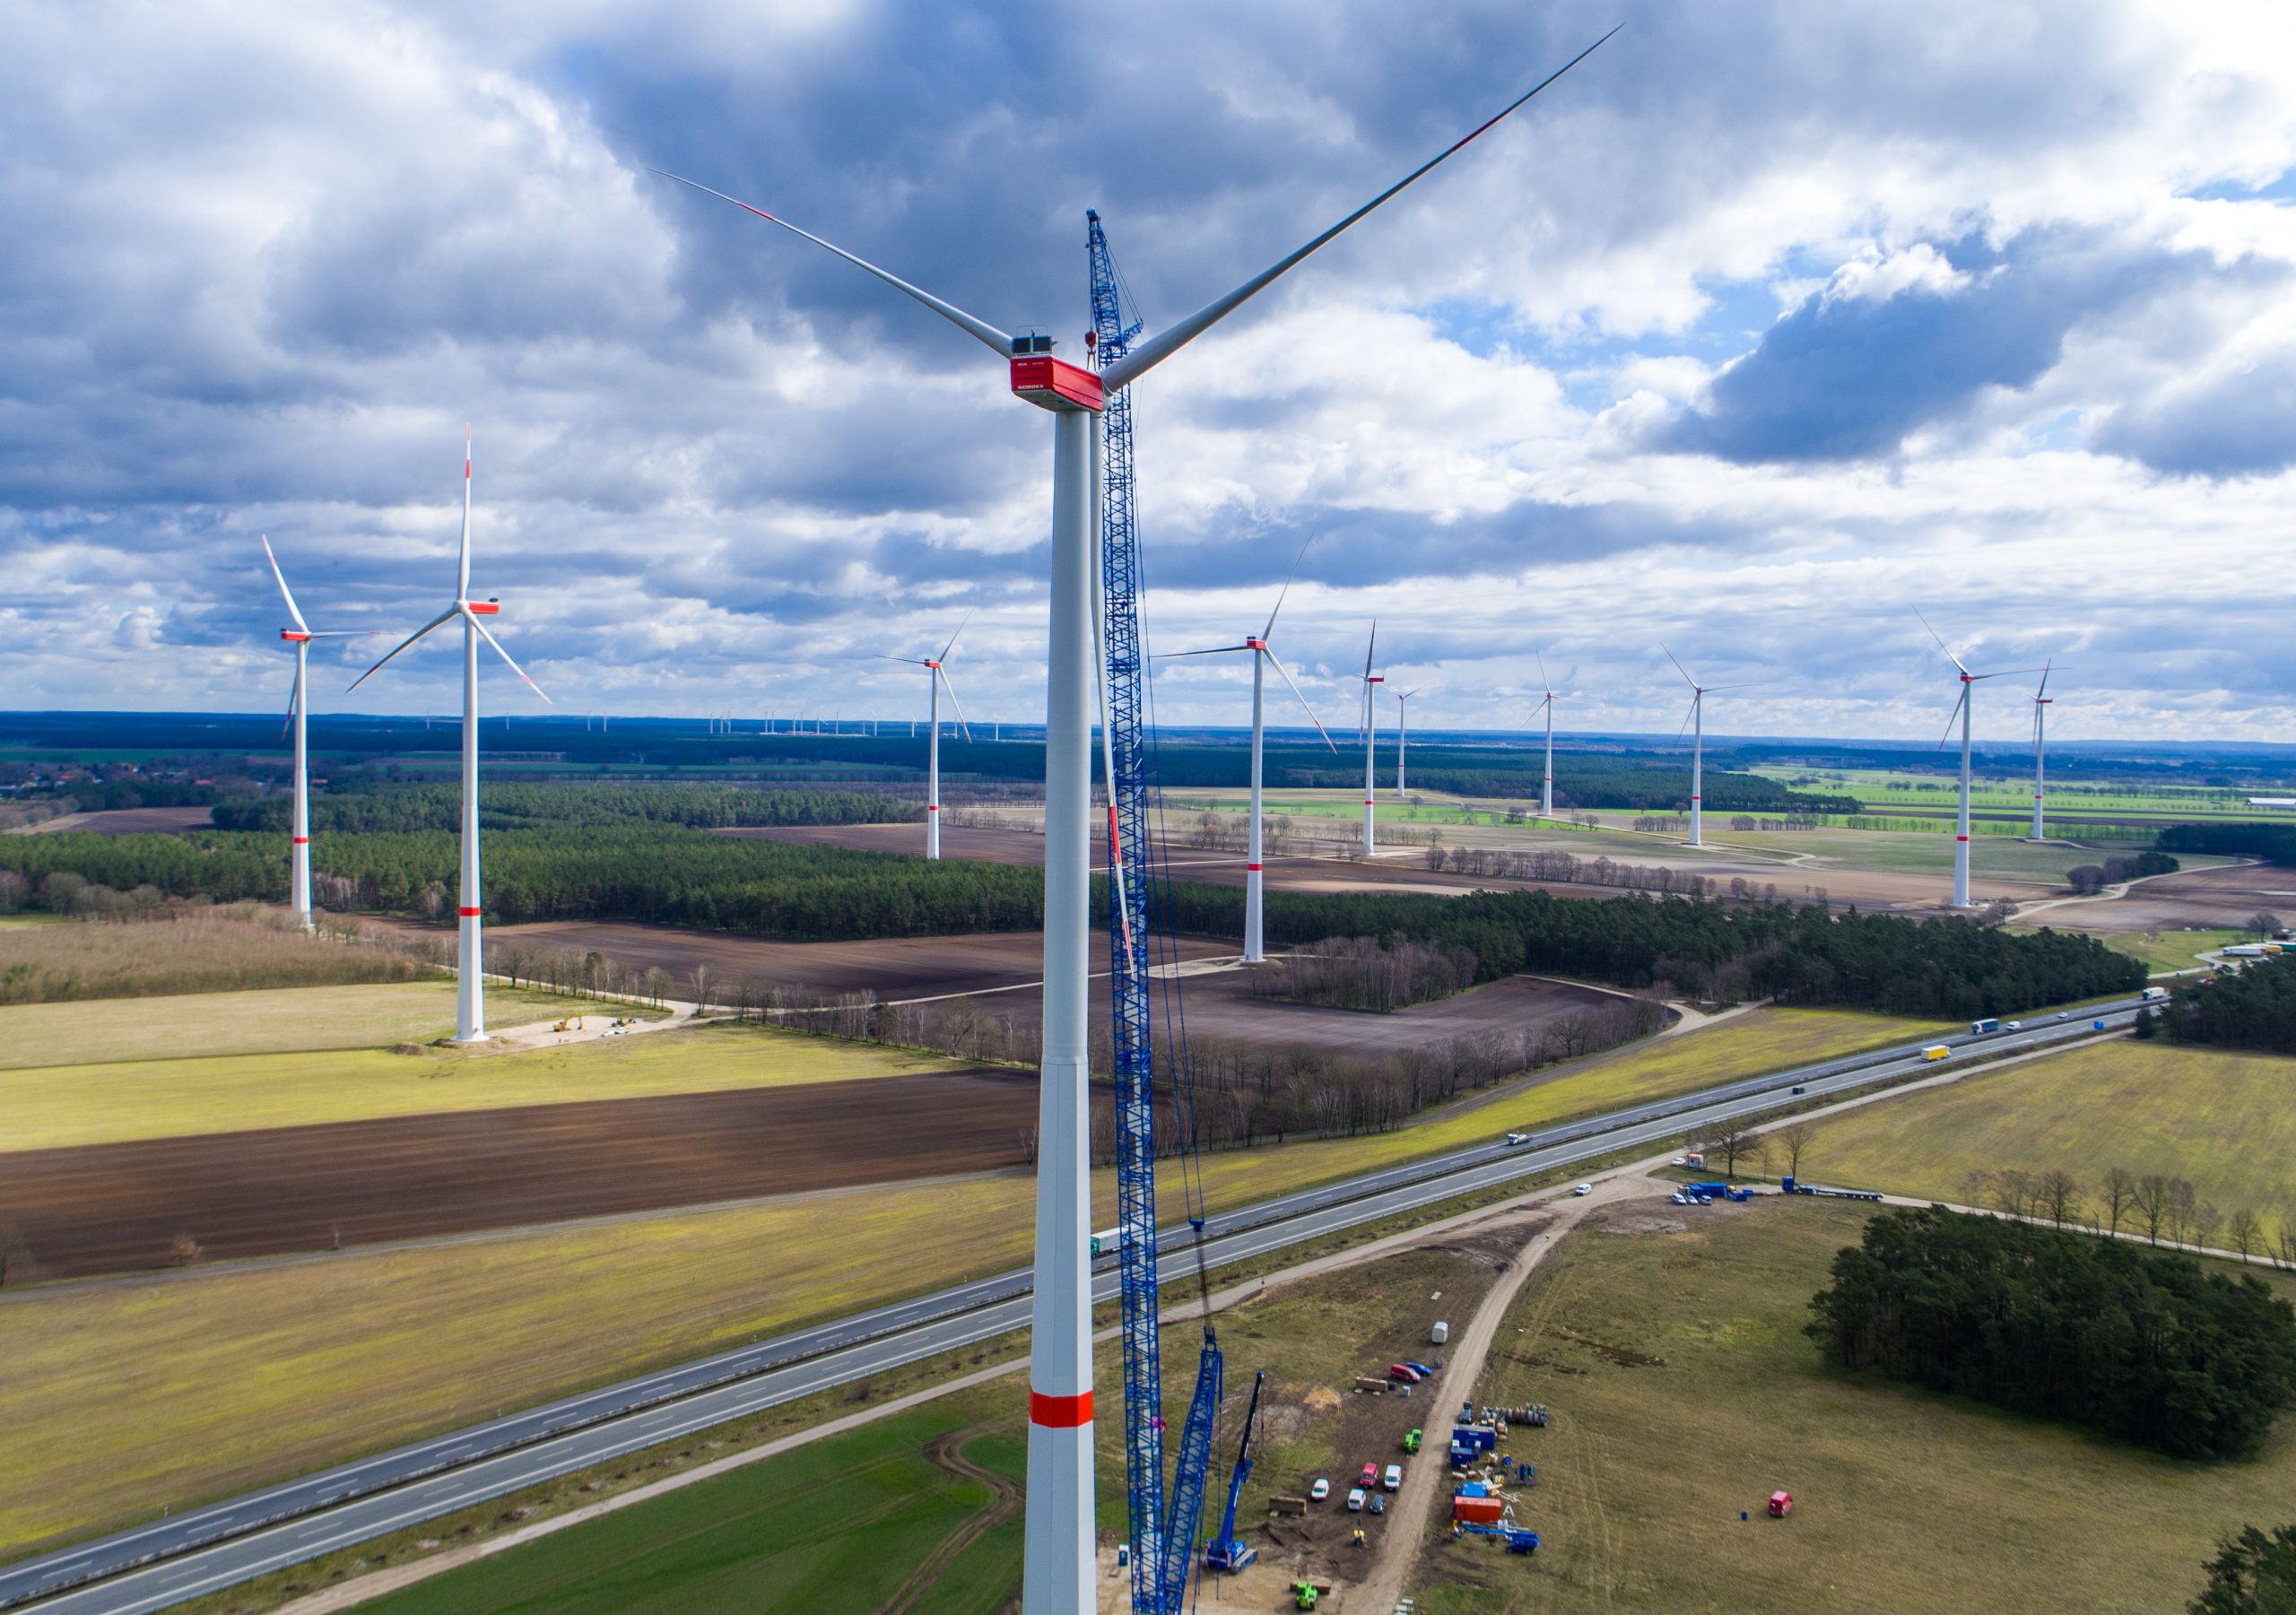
(1225, 1552)
(1718, 1191)
(1411, 1442)
(1304, 1594)
(1790, 1184)
(1518, 1541)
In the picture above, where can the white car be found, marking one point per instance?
(1680, 1160)
(2064, 1014)
(1392, 1479)
(1513, 1138)
(1355, 1501)
(1320, 1490)
(1584, 1188)
(2012, 1026)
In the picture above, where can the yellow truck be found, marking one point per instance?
(1935, 1051)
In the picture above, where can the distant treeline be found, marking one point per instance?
(2253, 1008)
(1948, 967)
(2145, 1347)
(2273, 843)
(518, 806)
(106, 795)
(631, 867)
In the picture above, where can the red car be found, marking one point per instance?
(1369, 1479)
(1405, 1373)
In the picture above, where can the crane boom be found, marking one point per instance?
(1162, 1534)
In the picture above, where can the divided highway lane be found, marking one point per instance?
(154, 1566)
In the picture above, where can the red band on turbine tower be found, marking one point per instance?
(1960, 838)
(302, 840)
(1060, 1413)
(1253, 868)
(470, 914)
(932, 807)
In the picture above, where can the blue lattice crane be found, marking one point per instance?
(1162, 1533)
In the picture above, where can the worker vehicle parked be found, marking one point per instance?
(1379, 1503)
(1584, 1188)
(1320, 1489)
(1392, 1479)
(1355, 1500)
(1369, 1479)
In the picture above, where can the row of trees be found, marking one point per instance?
(2155, 1204)
(2274, 842)
(1568, 868)
(2095, 877)
(2144, 1346)
(525, 806)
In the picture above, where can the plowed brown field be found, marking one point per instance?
(115, 1208)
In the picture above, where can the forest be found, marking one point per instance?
(2254, 1008)
(2144, 1346)
(2273, 843)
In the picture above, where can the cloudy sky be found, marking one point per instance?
(1767, 326)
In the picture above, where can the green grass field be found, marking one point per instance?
(1683, 1391)
(1890, 788)
(841, 1527)
(2174, 950)
(2222, 1120)
(52, 1105)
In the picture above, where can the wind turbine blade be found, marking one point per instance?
(1687, 712)
(291, 609)
(2006, 673)
(446, 616)
(1940, 644)
(942, 673)
(1311, 711)
(2046, 668)
(1165, 343)
(462, 566)
(1370, 650)
(1543, 681)
(1954, 718)
(952, 645)
(1217, 650)
(295, 700)
(1679, 668)
(1286, 589)
(904, 661)
(980, 330)
(505, 654)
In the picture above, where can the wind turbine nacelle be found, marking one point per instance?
(484, 608)
(1055, 384)
(294, 635)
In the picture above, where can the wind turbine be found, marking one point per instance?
(1057, 1574)
(300, 637)
(1696, 722)
(1402, 730)
(2040, 724)
(1263, 657)
(936, 675)
(1961, 711)
(470, 956)
(1366, 730)
(1546, 701)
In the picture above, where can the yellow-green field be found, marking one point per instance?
(123, 1397)
(54, 1106)
(272, 1021)
(1685, 1391)
(2226, 1122)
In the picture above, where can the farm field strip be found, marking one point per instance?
(1263, 1227)
(55, 1107)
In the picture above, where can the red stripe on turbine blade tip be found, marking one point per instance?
(470, 914)
(1060, 1413)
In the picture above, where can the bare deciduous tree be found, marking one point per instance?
(2244, 1230)
(2206, 1220)
(2119, 1196)
(2059, 1194)
(2150, 1200)
(1733, 1142)
(1793, 1142)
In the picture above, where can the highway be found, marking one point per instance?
(184, 1556)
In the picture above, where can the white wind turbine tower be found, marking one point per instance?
(1961, 712)
(1057, 1576)
(2041, 702)
(936, 675)
(470, 957)
(1546, 785)
(1367, 725)
(1403, 731)
(1262, 654)
(300, 637)
(1696, 722)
